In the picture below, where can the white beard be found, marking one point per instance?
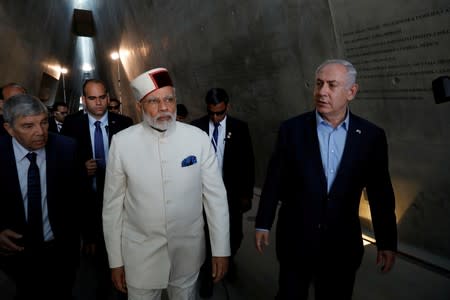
(160, 125)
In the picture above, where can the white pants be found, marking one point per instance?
(181, 289)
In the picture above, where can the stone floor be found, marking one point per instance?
(257, 277)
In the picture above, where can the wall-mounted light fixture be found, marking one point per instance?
(119, 56)
(63, 72)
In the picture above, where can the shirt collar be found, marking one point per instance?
(20, 151)
(103, 120)
(222, 123)
(344, 124)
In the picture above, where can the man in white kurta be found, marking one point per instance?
(160, 176)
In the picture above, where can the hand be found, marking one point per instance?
(219, 268)
(385, 259)
(118, 278)
(91, 167)
(8, 243)
(261, 240)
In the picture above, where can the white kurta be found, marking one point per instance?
(152, 209)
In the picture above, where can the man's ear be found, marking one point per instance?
(352, 91)
(9, 129)
(139, 107)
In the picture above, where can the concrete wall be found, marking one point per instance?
(35, 39)
(399, 50)
(264, 52)
(260, 51)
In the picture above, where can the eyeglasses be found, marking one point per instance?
(217, 113)
(154, 101)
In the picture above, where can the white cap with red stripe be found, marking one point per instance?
(150, 81)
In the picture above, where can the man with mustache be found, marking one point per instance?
(160, 175)
(39, 206)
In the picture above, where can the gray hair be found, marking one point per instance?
(351, 71)
(22, 105)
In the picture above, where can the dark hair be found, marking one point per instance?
(57, 104)
(216, 95)
(182, 110)
(114, 100)
(98, 81)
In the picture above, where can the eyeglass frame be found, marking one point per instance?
(216, 113)
(156, 101)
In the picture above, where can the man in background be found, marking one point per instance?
(114, 105)
(7, 91)
(231, 141)
(55, 122)
(93, 132)
(182, 113)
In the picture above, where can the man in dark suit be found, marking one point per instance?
(40, 213)
(234, 153)
(84, 127)
(55, 122)
(6, 92)
(322, 162)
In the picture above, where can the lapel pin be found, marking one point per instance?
(358, 131)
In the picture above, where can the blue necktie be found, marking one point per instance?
(215, 135)
(35, 227)
(99, 148)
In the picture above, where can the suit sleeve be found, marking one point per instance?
(272, 186)
(381, 197)
(249, 164)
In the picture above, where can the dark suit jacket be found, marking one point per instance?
(63, 200)
(77, 126)
(52, 127)
(310, 219)
(2, 129)
(238, 160)
(238, 170)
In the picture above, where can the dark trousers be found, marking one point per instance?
(236, 235)
(45, 272)
(331, 281)
(104, 289)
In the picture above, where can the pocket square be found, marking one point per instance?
(189, 161)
